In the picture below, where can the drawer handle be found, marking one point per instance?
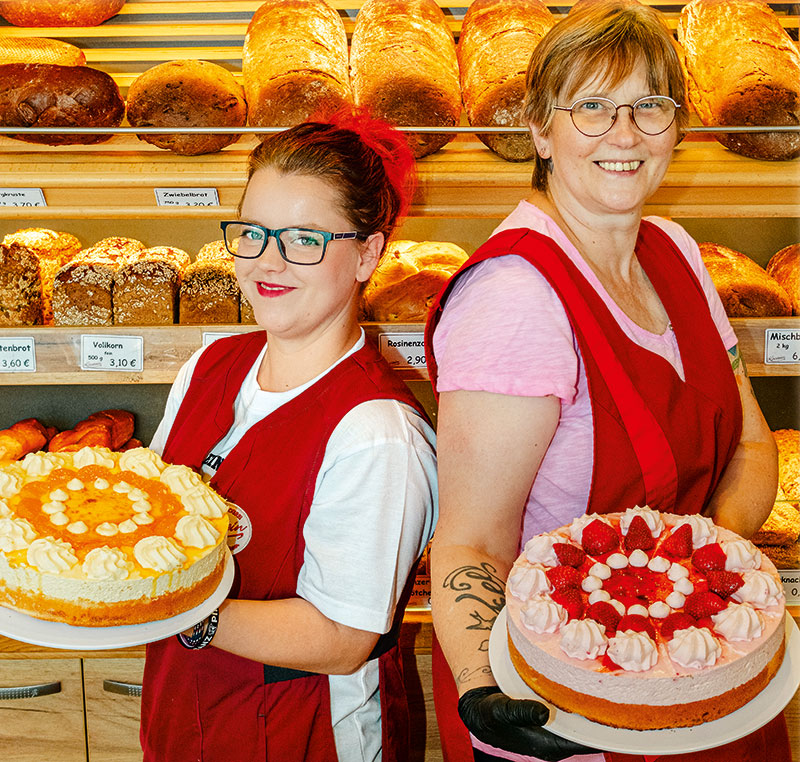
(29, 691)
(126, 689)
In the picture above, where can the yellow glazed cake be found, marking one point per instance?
(101, 538)
(644, 619)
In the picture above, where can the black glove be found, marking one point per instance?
(513, 724)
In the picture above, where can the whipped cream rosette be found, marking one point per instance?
(100, 538)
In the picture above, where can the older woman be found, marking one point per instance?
(584, 364)
(329, 460)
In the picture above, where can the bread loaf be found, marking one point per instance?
(788, 441)
(294, 62)
(743, 70)
(53, 249)
(209, 292)
(404, 68)
(408, 279)
(83, 288)
(20, 286)
(246, 314)
(187, 94)
(59, 12)
(39, 50)
(49, 95)
(744, 288)
(146, 286)
(496, 42)
(785, 268)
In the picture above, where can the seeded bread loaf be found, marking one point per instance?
(744, 70)
(785, 268)
(746, 290)
(294, 62)
(187, 94)
(209, 291)
(404, 68)
(496, 42)
(59, 12)
(20, 286)
(39, 50)
(49, 95)
(146, 286)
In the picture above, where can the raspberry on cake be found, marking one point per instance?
(663, 621)
(102, 538)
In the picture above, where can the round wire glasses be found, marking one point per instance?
(652, 114)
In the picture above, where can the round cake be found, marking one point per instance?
(644, 619)
(99, 538)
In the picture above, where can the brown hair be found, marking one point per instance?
(367, 161)
(600, 37)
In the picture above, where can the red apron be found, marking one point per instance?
(212, 705)
(658, 440)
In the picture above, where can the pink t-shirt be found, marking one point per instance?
(504, 330)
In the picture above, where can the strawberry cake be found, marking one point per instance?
(644, 619)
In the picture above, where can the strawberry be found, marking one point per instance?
(599, 537)
(568, 554)
(570, 599)
(637, 623)
(563, 577)
(709, 557)
(678, 544)
(703, 604)
(638, 535)
(724, 583)
(604, 613)
(677, 620)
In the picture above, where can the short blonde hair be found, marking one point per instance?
(606, 38)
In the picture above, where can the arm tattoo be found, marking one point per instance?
(737, 361)
(481, 586)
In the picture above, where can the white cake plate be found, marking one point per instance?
(747, 719)
(38, 632)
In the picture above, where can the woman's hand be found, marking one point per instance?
(513, 724)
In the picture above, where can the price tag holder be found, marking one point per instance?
(187, 196)
(211, 336)
(22, 197)
(781, 346)
(791, 585)
(403, 350)
(17, 355)
(122, 353)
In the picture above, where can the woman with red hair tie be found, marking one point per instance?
(326, 453)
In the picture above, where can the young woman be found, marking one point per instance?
(309, 432)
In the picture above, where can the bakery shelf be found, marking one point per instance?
(116, 179)
(166, 348)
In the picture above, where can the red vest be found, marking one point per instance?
(211, 705)
(658, 440)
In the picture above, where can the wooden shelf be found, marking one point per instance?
(166, 348)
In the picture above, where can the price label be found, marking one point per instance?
(187, 197)
(22, 197)
(211, 336)
(403, 350)
(781, 346)
(123, 353)
(17, 355)
(791, 585)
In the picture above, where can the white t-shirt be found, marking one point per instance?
(374, 510)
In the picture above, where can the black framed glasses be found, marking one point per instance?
(652, 114)
(298, 246)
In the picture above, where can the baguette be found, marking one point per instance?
(743, 70)
(187, 94)
(294, 62)
(39, 50)
(49, 95)
(785, 268)
(746, 290)
(495, 46)
(59, 12)
(404, 68)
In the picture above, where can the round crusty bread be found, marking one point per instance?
(59, 12)
(784, 266)
(187, 94)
